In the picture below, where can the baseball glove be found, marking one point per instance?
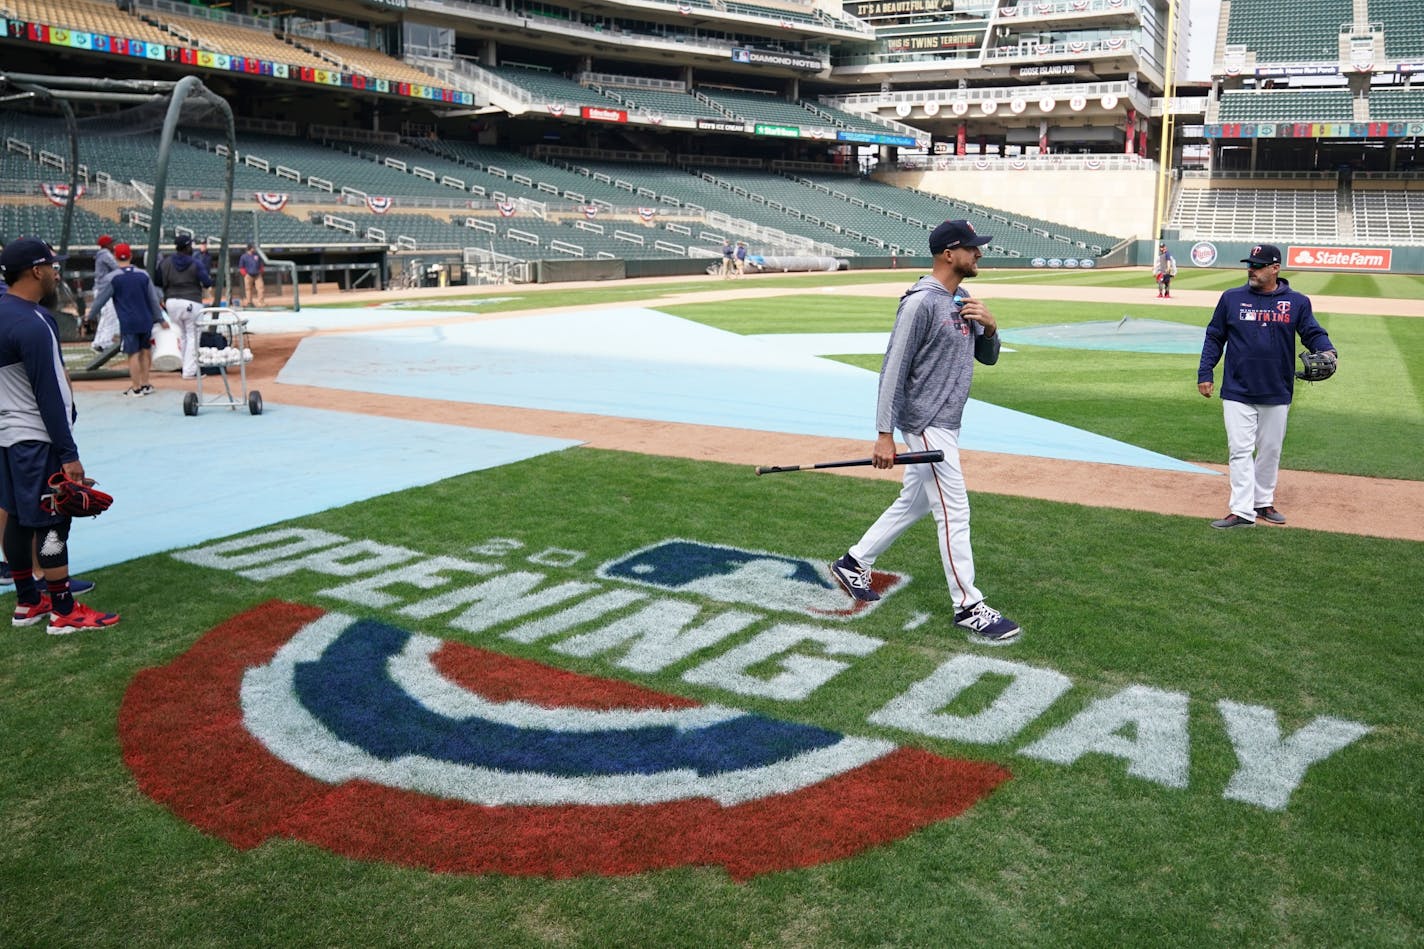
(1316, 367)
(74, 498)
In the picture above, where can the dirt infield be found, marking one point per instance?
(1368, 506)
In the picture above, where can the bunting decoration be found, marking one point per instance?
(507, 208)
(271, 200)
(58, 195)
(378, 204)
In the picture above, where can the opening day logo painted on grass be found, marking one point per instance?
(379, 744)
(643, 612)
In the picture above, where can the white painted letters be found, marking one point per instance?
(801, 675)
(425, 575)
(1159, 752)
(1022, 700)
(659, 633)
(576, 615)
(1272, 769)
(259, 548)
(350, 559)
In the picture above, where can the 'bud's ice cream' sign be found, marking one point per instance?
(1338, 258)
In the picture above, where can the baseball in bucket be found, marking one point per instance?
(166, 357)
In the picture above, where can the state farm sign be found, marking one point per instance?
(1338, 258)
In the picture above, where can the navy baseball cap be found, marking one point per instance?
(958, 233)
(24, 252)
(182, 242)
(1263, 255)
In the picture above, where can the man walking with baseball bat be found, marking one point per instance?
(924, 383)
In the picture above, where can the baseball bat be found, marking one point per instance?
(904, 458)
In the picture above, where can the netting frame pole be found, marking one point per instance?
(186, 86)
(40, 92)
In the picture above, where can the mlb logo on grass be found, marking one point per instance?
(755, 577)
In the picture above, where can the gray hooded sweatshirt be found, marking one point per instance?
(929, 363)
(104, 266)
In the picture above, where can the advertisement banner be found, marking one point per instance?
(866, 138)
(777, 131)
(1309, 130)
(875, 9)
(757, 57)
(600, 114)
(916, 44)
(1376, 259)
(1301, 69)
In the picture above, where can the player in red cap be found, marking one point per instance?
(135, 298)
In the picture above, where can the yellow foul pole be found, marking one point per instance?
(1169, 93)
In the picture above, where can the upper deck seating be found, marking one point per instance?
(1291, 31)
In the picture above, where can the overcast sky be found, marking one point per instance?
(1205, 14)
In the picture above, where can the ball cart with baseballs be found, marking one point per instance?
(222, 345)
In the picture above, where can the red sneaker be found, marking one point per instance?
(28, 614)
(81, 617)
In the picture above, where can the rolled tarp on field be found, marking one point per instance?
(790, 264)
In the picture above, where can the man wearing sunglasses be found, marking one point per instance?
(1257, 325)
(37, 441)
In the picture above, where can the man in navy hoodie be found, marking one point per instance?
(183, 278)
(1257, 325)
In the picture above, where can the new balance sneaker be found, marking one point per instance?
(81, 617)
(1230, 521)
(28, 614)
(987, 625)
(1269, 513)
(145, 390)
(854, 579)
(79, 586)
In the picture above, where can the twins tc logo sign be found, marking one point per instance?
(380, 744)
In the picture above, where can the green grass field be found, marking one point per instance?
(1368, 420)
(506, 299)
(1070, 855)
(1112, 848)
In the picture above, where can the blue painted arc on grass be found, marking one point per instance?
(349, 691)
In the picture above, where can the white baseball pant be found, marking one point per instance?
(1254, 435)
(106, 333)
(183, 314)
(936, 489)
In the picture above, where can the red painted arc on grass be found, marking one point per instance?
(691, 784)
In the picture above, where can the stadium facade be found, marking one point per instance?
(480, 134)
